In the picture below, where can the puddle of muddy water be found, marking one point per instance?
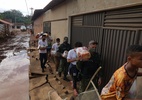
(14, 70)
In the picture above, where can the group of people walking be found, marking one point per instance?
(67, 61)
(81, 70)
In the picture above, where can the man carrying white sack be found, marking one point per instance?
(88, 67)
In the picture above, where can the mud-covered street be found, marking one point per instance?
(14, 68)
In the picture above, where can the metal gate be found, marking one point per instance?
(114, 45)
(86, 28)
(115, 30)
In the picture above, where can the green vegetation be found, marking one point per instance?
(16, 17)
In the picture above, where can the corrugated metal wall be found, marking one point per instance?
(115, 30)
(140, 37)
(114, 45)
(86, 28)
(127, 17)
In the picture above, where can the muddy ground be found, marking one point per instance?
(7, 44)
(39, 89)
(14, 67)
(3, 45)
(21, 75)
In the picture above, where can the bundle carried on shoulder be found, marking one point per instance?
(83, 53)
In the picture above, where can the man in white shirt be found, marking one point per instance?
(55, 47)
(42, 45)
(72, 59)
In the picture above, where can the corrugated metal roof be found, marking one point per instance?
(5, 22)
(52, 4)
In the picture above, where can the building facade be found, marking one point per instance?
(115, 24)
(5, 28)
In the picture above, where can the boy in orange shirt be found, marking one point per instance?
(123, 78)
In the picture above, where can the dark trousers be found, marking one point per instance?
(43, 59)
(74, 74)
(63, 67)
(57, 62)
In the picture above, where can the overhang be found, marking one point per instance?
(36, 14)
(52, 4)
(5, 22)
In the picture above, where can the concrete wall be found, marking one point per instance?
(75, 7)
(58, 12)
(59, 29)
(59, 21)
(38, 25)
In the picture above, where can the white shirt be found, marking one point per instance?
(42, 43)
(55, 47)
(72, 55)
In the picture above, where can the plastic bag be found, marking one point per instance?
(65, 53)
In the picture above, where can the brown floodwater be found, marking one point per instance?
(14, 79)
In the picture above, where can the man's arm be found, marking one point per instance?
(70, 59)
(53, 47)
(60, 49)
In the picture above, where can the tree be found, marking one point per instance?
(27, 20)
(16, 16)
(1, 16)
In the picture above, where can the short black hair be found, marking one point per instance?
(78, 44)
(93, 42)
(58, 39)
(65, 38)
(133, 49)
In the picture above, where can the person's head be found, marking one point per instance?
(58, 40)
(78, 44)
(66, 39)
(43, 36)
(93, 44)
(134, 55)
(49, 33)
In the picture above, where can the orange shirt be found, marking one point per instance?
(118, 86)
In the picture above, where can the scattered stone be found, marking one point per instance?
(66, 92)
(56, 79)
(59, 82)
(63, 87)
